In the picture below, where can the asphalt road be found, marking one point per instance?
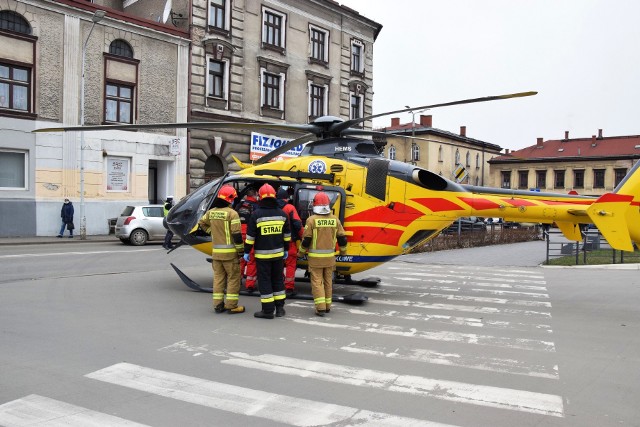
(105, 333)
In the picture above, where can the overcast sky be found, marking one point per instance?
(582, 56)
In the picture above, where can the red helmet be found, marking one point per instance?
(267, 191)
(321, 203)
(227, 193)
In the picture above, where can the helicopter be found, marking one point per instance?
(387, 207)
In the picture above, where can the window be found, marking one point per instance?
(477, 161)
(440, 154)
(392, 153)
(598, 178)
(457, 157)
(271, 91)
(15, 87)
(118, 100)
(356, 107)
(506, 179)
(121, 48)
(619, 176)
(468, 159)
(218, 14)
(523, 179)
(357, 60)
(13, 169)
(415, 152)
(319, 44)
(273, 29)
(578, 179)
(559, 179)
(11, 21)
(541, 179)
(316, 101)
(216, 82)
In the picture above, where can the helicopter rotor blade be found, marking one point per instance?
(187, 125)
(337, 128)
(284, 148)
(364, 132)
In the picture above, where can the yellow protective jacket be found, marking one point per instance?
(319, 240)
(226, 238)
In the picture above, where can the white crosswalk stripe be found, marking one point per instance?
(34, 410)
(240, 400)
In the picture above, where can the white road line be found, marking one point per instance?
(34, 410)
(464, 308)
(510, 293)
(447, 320)
(496, 397)
(245, 401)
(491, 271)
(448, 336)
(422, 355)
(474, 277)
(50, 254)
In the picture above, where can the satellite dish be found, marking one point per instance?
(166, 12)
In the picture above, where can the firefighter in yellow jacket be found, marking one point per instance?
(223, 223)
(321, 232)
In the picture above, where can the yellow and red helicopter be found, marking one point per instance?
(388, 207)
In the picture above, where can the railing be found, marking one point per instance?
(593, 249)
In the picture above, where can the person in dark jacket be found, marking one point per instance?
(168, 204)
(296, 235)
(268, 234)
(66, 213)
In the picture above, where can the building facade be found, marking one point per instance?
(135, 71)
(276, 61)
(453, 156)
(590, 166)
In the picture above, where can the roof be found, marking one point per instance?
(583, 148)
(407, 129)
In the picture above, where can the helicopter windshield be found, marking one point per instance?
(184, 216)
(341, 147)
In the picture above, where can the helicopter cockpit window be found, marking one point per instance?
(304, 202)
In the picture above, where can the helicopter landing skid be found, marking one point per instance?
(354, 299)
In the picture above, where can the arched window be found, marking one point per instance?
(440, 159)
(392, 153)
(468, 159)
(457, 156)
(477, 160)
(213, 168)
(11, 21)
(121, 48)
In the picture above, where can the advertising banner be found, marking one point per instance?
(262, 144)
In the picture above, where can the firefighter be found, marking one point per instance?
(248, 269)
(268, 234)
(168, 204)
(223, 223)
(296, 235)
(319, 243)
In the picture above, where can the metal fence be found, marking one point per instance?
(593, 249)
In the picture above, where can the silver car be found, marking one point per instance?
(139, 224)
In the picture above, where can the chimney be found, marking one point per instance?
(395, 121)
(426, 121)
(593, 140)
(599, 133)
(506, 151)
(566, 134)
(463, 131)
(540, 144)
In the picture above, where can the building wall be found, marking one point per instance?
(54, 159)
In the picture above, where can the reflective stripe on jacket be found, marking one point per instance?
(319, 240)
(268, 231)
(224, 226)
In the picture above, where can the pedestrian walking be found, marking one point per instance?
(168, 204)
(321, 232)
(248, 269)
(66, 213)
(268, 234)
(290, 265)
(223, 223)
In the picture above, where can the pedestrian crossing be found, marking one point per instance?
(476, 337)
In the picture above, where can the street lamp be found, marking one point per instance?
(413, 130)
(97, 17)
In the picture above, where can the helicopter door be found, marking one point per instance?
(303, 201)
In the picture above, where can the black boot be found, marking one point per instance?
(262, 315)
(280, 312)
(219, 308)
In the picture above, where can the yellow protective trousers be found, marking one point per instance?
(226, 279)
(321, 286)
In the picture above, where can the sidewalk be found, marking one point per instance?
(38, 240)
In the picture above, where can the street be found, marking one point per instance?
(108, 334)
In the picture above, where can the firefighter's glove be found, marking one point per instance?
(246, 257)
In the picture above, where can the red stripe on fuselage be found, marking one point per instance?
(401, 214)
(519, 202)
(567, 202)
(382, 236)
(480, 204)
(437, 204)
(611, 197)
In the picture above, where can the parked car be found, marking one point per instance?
(465, 225)
(139, 224)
